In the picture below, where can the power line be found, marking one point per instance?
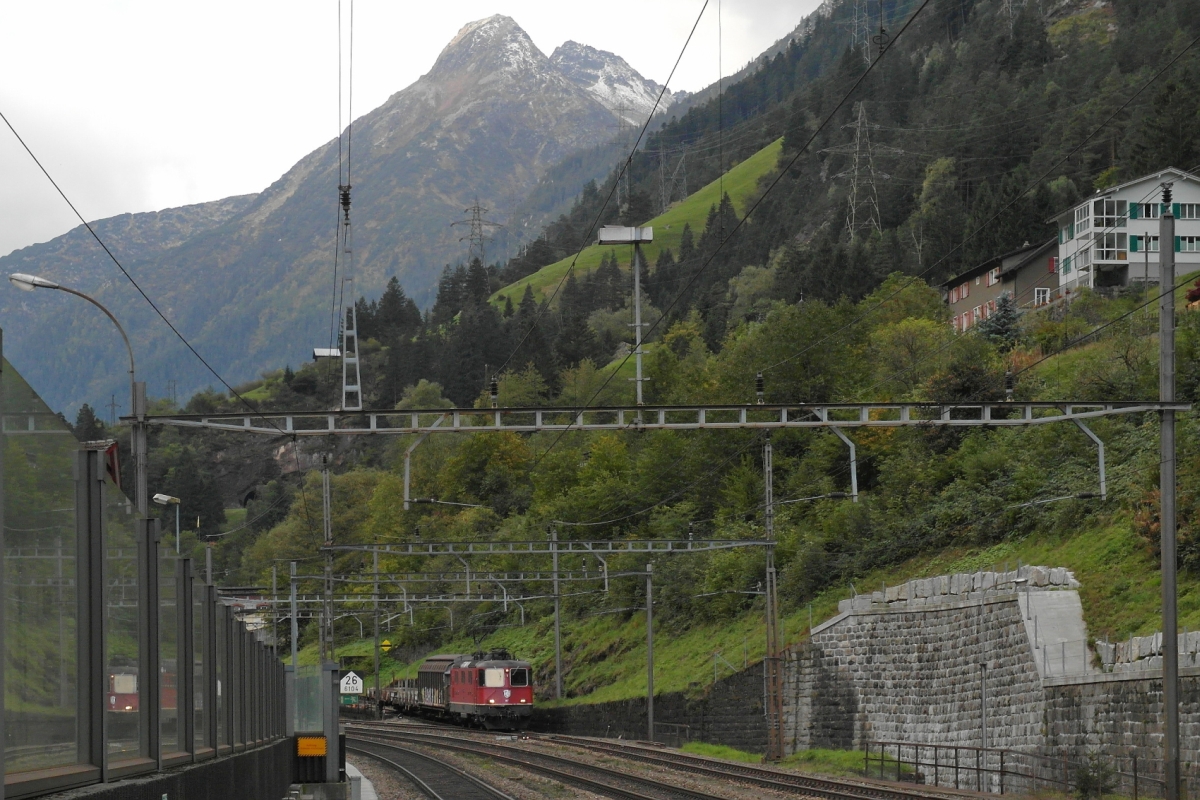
(988, 223)
(742, 221)
(620, 174)
(233, 392)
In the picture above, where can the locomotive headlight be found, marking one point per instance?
(491, 699)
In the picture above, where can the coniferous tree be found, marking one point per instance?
(663, 279)
(1170, 130)
(89, 427)
(396, 314)
(575, 340)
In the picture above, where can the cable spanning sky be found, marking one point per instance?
(143, 105)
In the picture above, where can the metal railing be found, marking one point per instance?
(673, 734)
(999, 771)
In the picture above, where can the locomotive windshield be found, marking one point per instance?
(519, 677)
(493, 678)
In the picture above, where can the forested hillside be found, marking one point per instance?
(824, 311)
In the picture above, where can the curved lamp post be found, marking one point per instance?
(137, 390)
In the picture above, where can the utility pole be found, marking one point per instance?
(141, 490)
(477, 238)
(558, 681)
(612, 234)
(327, 623)
(1166, 394)
(774, 682)
(650, 651)
(351, 378)
(637, 319)
(375, 602)
(275, 609)
(295, 622)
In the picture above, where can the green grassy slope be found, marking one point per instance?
(741, 184)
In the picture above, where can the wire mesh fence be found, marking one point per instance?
(999, 771)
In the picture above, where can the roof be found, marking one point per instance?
(1014, 259)
(1167, 172)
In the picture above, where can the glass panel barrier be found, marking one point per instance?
(121, 615)
(168, 649)
(41, 718)
(308, 699)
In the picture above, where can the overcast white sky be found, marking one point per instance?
(143, 104)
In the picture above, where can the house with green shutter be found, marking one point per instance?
(1111, 238)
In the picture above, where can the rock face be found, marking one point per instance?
(609, 79)
(248, 280)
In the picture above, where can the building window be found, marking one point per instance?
(1189, 244)
(1066, 266)
(1041, 296)
(1189, 211)
(1150, 210)
(1052, 264)
(964, 290)
(1083, 258)
(1143, 244)
(1109, 213)
(1111, 247)
(993, 276)
(1081, 219)
(976, 314)
(991, 307)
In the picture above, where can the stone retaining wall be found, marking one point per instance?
(912, 673)
(729, 712)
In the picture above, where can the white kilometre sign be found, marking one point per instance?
(351, 684)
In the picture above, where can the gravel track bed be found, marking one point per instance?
(389, 784)
(730, 789)
(507, 778)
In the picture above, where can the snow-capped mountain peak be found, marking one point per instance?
(609, 78)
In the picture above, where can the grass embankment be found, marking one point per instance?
(605, 656)
(740, 183)
(826, 762)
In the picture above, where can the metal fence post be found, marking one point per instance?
(210, 668)
(149, 692)
(185, 658)
(1001, 772)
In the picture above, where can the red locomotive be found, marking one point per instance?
(491, 690)
(123, 688)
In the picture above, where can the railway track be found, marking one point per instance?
(763, 777)
(435, 778)
(767, 778)
(601, 780)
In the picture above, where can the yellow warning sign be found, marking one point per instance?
(310, 745)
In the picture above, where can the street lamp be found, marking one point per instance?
(137, 390)
(167, 500)
(614, 234)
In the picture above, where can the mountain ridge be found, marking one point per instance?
(250, 286)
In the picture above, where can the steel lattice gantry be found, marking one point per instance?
(645, 418)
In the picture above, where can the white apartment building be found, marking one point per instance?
(1111, 239)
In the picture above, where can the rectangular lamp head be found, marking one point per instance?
(617, 234)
